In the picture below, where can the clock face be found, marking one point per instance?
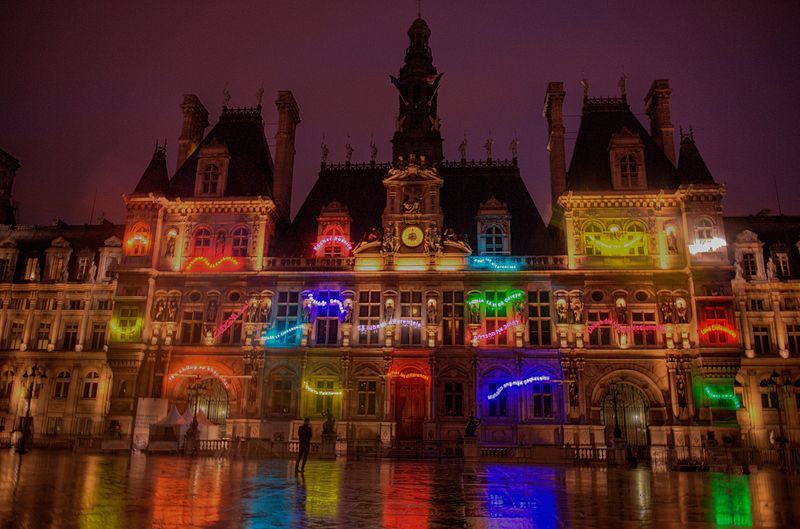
(412, 236)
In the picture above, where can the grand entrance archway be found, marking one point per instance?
(625, 413)
(409, 407)
(213, 401)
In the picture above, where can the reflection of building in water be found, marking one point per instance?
(403, 295)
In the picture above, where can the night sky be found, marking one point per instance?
(87, 88)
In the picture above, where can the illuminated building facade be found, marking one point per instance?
(406, 296)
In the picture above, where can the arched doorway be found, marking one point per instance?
(625, 412)
(213, 401)
(409, 407)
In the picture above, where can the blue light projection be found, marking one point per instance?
(517, 383)
(523, 493)
(492, 263)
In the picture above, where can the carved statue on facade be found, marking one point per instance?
(266, 309)
(576, 305)
(329, 425)
(462, 148)
(621, 307)
(159, 310)
(519, 311)
(211, 310)
(307, 305)
(672, 241)
(488, 147)
(739, 270)
(514, 147)
(680, 388)
(347, 311)
(472, 426)
(373, 151)
(681, 311)
(772, 269)
(348, 150)
(172, 310)
(388, 309)
(373, 235)
(474, 314)
(666, 308)
(562, 310)
(170, 250)
(92, 275)
(252, 310)
(324, 147)
(412, 203)
(431, 311)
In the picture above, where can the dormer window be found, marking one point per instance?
(494, 241)
(705, 230)
(202, 242)
(241, 240)
(494, 228)
(629, 171)
(210, 179)
(31, 269)
(782, 263)
(749, 264)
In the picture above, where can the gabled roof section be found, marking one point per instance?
(590, 168)
(361, 190)
(155, 178)
(250, 171)
(779, 233)
(692, 169)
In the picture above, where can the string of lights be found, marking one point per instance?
(391, 374)
(321, 391)
(722, 396)
(328, 239)
(515, 295)
(271, 337)
(225, 325)
(716, 327)
(499, 330)
(615, 246)
(635, 327)
(194, 369)
(209, 264)
(127, 331)
(491, 263)
(517, 383)
(403, 323)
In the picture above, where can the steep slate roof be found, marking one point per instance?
(590, 168)
(465, 188)
(773, 231)
(692, 169)
(155, 178)
(33, 241)
(250, 172)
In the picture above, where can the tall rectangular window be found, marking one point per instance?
(281, 395)
(645, 338)
(70, 336)
(83, 426)
(454, 399)
(192, 326)
(324, 403)
(599, 322)
(453, 317)
(55, 425)
(761, 341)
(233, 334)
(749, 264)
(411, 309)
(42, 336)
(782, 263)
(369, 313)
(496, 317)
(5, 269)
(328, 318)
(539, 317)
(127, 322)
(498, 406)
(15, 334)
(56, 267)
(542, 400)
(714, 318)
(287, 316)
(756, 304)
(31, 269)
(83, 268)
(98, 336)
(366, 397)
(793, 339)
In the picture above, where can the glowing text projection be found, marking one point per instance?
(716, 327)
(408, 375)
(202, 264)
(517, 383)
(707, 245)
(492, 263)
(225, 325)
(499, 330)
(128, 331)
(322, 392)
(516, 295)
(192, 370)
(625, 328)
(271, 337)
(715, 395)
(138, 238)
(402, 323)
(333, 239)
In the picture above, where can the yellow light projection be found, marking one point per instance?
(616, 239)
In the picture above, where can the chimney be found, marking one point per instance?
(8, 170)
(656, 104)
(554, 112)
(195, 121)
(288, 118)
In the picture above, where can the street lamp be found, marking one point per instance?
(194, 390)
(26, 423)
(774, 386)
(615, 393)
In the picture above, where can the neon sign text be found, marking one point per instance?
(225, 325)
(517, 383)
(328, 239)
(499, 330)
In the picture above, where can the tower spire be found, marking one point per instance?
(418, 123)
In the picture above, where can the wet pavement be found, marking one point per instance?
(87, 491)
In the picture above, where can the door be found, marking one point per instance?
(409, 407)
(625, 413)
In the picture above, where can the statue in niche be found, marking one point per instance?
(577, 309)
(172, 310)
(666, 309)
(519, 311)
(427, 241)
(622, 310)
(474, 314)
(388, 309)
(681, 311)
(252, 387)
(329, 425)
(266, 310)
(252, 310)
(739, 269)
(348, 310)
(437, 237)
(307, 305)
(219, 244)
(170, 251)
(431, 311)
(772, 269)
(680, 387)
(159, 309)
(412, 203)
(462, 148)
(672, 241)
(562, 310)
(472, 426)
(211, 310)
(573, 390)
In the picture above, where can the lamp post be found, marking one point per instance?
(26, 423)
(775, 385)
(615, 393)
(194, 391)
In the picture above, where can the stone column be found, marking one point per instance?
(56, 323)
(745, 329)
(780, 328)
(28, 328)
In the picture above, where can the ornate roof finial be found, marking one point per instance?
(324, 147)
(419, 8)
(373, 149)
(585, 85)
(514, 145)
(260, 94)
(488, 145)
(348, 150)
(226, 96)
(622, 90)
(462, 147)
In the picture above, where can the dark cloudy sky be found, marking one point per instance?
(87, 87)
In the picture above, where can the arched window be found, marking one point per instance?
(7, 384)
(629, 171)
(90, 385)
(210, 177)
(241, 241)
(705, 230)
(202, 241)
(591, 234)
(61, 389)
(494, 240)
(139, 241)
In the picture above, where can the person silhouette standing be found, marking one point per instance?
(304, 433)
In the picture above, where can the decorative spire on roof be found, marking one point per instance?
(155, 178)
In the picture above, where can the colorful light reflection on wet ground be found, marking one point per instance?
(87, 491)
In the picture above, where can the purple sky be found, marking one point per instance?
(87, 88)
